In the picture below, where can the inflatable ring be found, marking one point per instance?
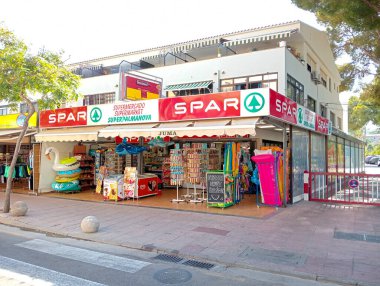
(69, 186)
(69, 172)
(61, 167)
(61, 179)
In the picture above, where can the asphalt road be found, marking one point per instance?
(372, 169)
(28, 258)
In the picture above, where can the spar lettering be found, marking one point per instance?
(63, 117)
(133, 118)
(192, 107)
(284, 108)
(322, 124)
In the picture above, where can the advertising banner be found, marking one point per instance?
(305, 118)
(137, 88)
(209, 106)
(64, 117)
(123, 113)
(321, 124)
(14, 121)
(283, 108)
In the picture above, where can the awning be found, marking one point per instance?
(193, 85)
(68, 134)
(12, 135)
(220, 127)
(130, 131)
(261, 38)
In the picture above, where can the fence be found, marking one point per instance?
(344, 188)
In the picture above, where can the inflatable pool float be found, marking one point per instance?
(66, 187)
(63, 179)
(69, 173)
(63, 165)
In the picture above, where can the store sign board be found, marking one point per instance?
(14, 121)
(305, 118)
(209, 106)
(215, 187)
(141, 88)
(123, 113)
(321, 124)
(254, 102)
(64, 117)
(283, 108)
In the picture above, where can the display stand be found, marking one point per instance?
(177, 200)
(176, 171)
(220, 188)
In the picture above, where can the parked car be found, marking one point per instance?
(368, 158)
(375, 160)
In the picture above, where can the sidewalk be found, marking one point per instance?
(312, 240)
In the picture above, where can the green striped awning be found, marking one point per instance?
(193, 85)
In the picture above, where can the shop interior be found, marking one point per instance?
(23, 169)
(214, 175)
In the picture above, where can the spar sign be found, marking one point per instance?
(123, 113)
(64, 117)
(283, 108)
(217, 105)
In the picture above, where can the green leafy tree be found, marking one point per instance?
(25, 78)
(353, 27)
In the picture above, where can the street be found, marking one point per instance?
(372, 169)
(29, 258)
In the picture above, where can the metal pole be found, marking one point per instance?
(284, 144)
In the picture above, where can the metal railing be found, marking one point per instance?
(344, 188)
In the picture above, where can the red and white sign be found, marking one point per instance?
(321, 124)
(205, 106)
(64, 117)
(283, 108)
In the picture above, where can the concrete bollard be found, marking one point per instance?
(19, 208)
(90, 224)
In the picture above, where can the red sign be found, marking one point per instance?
(64, 117)
(206, 106)
(321, 124)
(283, 108)
(140, 88)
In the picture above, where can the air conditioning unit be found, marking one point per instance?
(316, 77)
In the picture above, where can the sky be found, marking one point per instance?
(86, 29)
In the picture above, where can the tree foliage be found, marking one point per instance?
(353, 27)
(26, 78)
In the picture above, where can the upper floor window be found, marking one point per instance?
(24, 108)
(295, 90)
(332, 118)
(3, 110)
(323, 110)
(250, 82)
(101, 98)
(324, 78)
(340, 123)
(311, 103)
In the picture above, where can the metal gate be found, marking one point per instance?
(344, 188)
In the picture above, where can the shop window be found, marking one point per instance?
(323, 110)
(311, 103)
(295, 90)
(332, 118)
(102, 98)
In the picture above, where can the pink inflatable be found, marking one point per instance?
(267, 175)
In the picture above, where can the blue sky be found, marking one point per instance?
(86, 29)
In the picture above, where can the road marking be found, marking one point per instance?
(32, 275)
(84, 255)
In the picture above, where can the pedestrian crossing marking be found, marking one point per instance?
(84, 255)
(15, 272)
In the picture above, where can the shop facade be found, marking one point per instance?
(249, 120)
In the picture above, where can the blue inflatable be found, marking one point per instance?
(68, 172)
(66, 187)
